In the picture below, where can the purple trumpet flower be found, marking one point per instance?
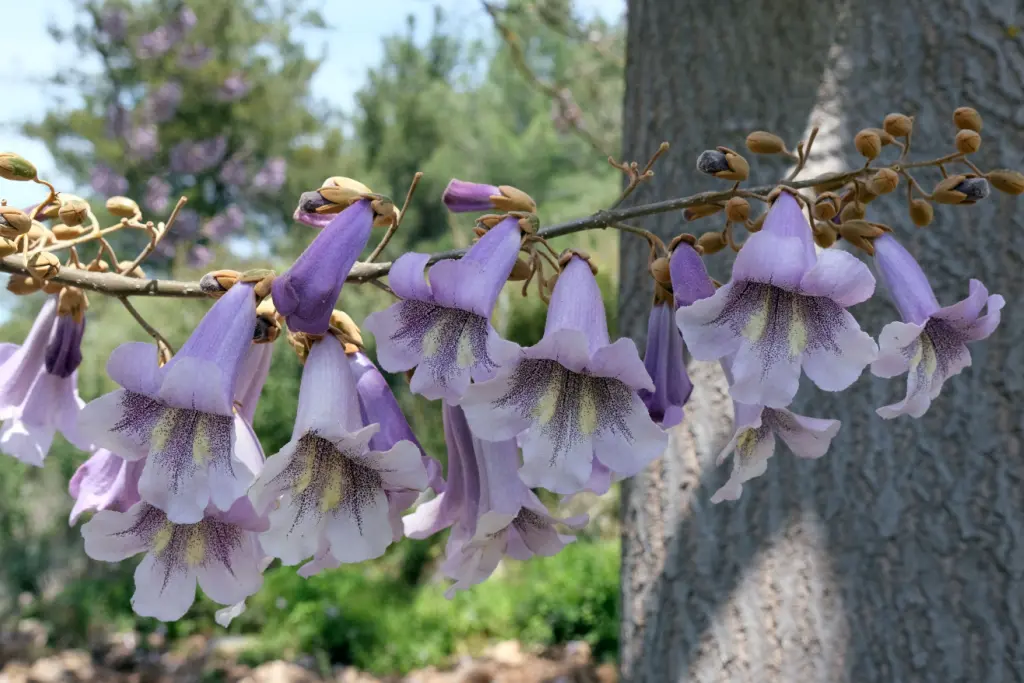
(307, 292)
(443, 327)
(462, 197)
(931, 342)
(38, 394)
(220, 551)
(251, 379)
(329, 485)
(574, 394)
(181, 417)
(104, 482)
(785, 307)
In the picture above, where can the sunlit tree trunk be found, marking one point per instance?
(900, 555)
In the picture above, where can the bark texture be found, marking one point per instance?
(899, 556)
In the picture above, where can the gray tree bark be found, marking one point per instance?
(899, 556)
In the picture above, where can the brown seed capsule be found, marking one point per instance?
(898, 125)
(693, 213)
(852, 212)
(343, 323)
(826, 206)
(7, 247)
(884, 182)
(712, 242)
(763, 142)
(660, 271)
(137, 272)
(862, 243)
(756, 224)
(680, 239)
(385, 214)
(945, 192)
(520, 271)
(921, 212)
(868, 144)
(44, 264)
(345, 194)
(737, 210)
(883, 136)
(16, 167)
(966, 118)
(513, 199)
(67, 232)
(865, 195)
(122, 207)
(99, 266)
(14, 222)
(860, 228)
(1005, 180)
(52, 287)
(73, 211)
(73, 302)
(739, 169)
(21, 285)
(968, 141)
(825, 234)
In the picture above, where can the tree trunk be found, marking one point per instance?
(899, 556)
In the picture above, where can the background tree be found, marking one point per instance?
(898, 555)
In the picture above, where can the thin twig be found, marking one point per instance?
(803, 154)
(152, 331)
(49, 198)
(154, 238)
(394, 226)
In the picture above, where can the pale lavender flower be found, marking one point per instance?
(328, 485)
(785, 307)
(251, 378)
(143, 142)
(19, 365)
(104, 482)
(194, 56)
(271, 177)
(163, 103)
(233, 88)
(233, 172)
(574, 395)
(461, 196)
(158, 194)
(220, 551)
(306, 293)
(231, 220)
(181, 417)
(107, 182)
(443, 328)
(931, 342)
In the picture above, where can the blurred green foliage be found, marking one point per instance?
(449, 106)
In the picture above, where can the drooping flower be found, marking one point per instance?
(104, 482)
(574, 394)
(307, 292)
(19, 365)
(220, 551)
(332, 487)
(785, 307)
(180, 417)
(931, 342)
(442, 328)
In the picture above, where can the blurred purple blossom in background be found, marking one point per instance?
(160, 40)
(116, 121)
(194, 56)
(270, 178)
(158, 194)
(234, 87)
(232, 219)
(233, 172)
(113, 22)
(106, 182)
(187, 223)
(196, 157)
(199, 256)
(163, 103)
(143, 142)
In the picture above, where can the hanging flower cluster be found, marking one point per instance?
(176, 472)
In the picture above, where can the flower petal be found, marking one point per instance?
(234, 575)
(750, 460)
(621, 361)
(230, 480)
(403, 467)
(835, 371)
(109, 537)
(185, 501)
(707, 334)
(765, 377)
(407, 277)
(96, 423)
(134, 366)
(366, 538)
(893, 341)
(563, 471)
(393, 355)
(293, 536)
(569, 347)
(487, 420)
(628, 455)
(839, 276)
(162, 591)
(807, 437)
(196, 384)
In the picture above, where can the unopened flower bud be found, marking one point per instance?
(520, 271)
(898, 125)
(22, 285)
(99, 266)
(712, 242)
(921, 212)
(7, 247)
(968, 141)
(44, 264)
(513, 199)
(763, 142)
(73, 211)
(966, 118)
(660, 271)
(16, 167)
(861, 228)
(883, 135)
(1005, 180)
(868, 144)
(311, 202)
(737, 210)
(712, 162)
(39, 233)
(851, 212)
(960, 189)
(723, 163)
(52, 287)
(884, 182)
(342, 192)
(385, 214)
(136, 272)
(974, 188)
(693, 213)
(67, 232)
(73, 302)
(826, 206)
(13, 222)
(219, 281)
(865, 193)
(825, 234)
(122, 207)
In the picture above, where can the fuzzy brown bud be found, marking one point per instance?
(723, 163)
(343, 323)
(7, 247)
(14, 222)
(825, 234)
(44, 264)
(266, 330)
(67, 232)
(712, 242)
(219, 281)
(868, 144)
(763, 142)
(22, 285)
(861, 228)
(898, 125)
(921, 212)
(966, 118)
(52, 287)
(122, 207)
(694, 213)
(73, 211)
(16, 167)
(385, 214)
(950, 190)
(660, 271)
(883, 136)
(99, 266)
(851, 212)
(968, 141)
(1005, 180)
(864, 193)
(826, 206)
(737, 210)
(136, 272)
(884, 182)
(513, 199)
(520, 271)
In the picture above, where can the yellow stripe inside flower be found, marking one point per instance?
(545, 409)
(195, 547)
(163, 537)
(758, 322)
(588, 411)
(333, 492)
(797, 333)
(924, 353)
(746, 442)
(465, 357)
(202, 450)
(306, 477)
(432, 340)
(163, 430)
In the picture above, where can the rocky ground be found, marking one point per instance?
(25, 658)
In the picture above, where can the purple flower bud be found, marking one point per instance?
(906, 283)
(976, 189)
(667, 367)
(461, 196)
(690, 279)
(307, 292)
